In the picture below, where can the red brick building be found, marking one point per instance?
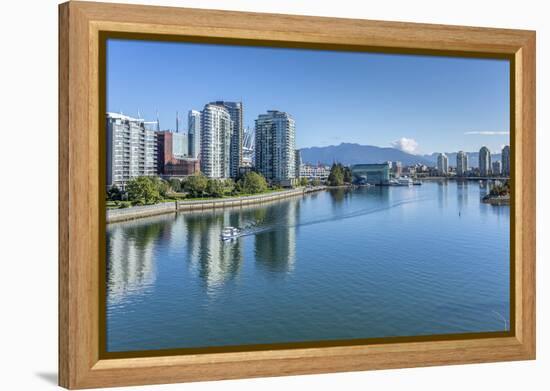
(170, 165)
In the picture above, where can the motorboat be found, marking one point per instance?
(404, 181)
(229, 233)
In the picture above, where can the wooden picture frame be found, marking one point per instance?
(80, 199)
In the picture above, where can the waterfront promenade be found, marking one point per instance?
(136, 212)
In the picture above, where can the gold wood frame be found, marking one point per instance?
(83, 25)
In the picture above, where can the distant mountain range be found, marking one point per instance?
(349, 153)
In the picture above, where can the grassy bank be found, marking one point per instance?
(113, 205)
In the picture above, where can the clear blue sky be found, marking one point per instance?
(441, 104)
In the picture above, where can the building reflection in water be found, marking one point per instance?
(130, 257)
(269, 230)
(275, 244)
(442, 190)
(215, 261)
(462, 193)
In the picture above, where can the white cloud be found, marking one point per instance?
(489, 133)
(408, 145)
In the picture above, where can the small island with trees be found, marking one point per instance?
(499, 194)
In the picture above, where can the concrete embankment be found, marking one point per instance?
(136, 212)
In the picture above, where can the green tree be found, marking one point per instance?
(303, 181)
(175, 185)
(347, 175)
(253, 183)
(143, 191)
(162, 186)
(336, 176)
(195, 185)
(215, 188)
(114, 193)
(229, 186)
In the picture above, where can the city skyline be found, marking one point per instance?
(372, 99)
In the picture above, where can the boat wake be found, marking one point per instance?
(258, 228)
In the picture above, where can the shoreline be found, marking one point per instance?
(465, 178)
(137, 212)
(496, 200)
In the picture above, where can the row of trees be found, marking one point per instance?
(147, 190)
(201, 186)
(339, 175)
(143, 190)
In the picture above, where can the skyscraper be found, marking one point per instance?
(194, 132)
(461, 163)
(484, 161)
(180, 147)
(275, 146)
(497, 167)
(131, 149)
(235, 110)
(442, 164)
(216, 132)
(248, 148)
(505, 160)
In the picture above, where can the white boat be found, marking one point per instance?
(229, 233)
(404, 181)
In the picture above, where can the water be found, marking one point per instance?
(338, 264)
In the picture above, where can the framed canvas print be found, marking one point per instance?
(247, 195)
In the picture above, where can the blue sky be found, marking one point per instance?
(421, 104)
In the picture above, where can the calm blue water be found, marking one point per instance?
(339, 264)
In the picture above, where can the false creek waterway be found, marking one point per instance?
(331, 265)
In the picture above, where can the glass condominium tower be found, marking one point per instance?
(505, 160)
(235, 110)
(442, 164)
(461, 163)
(194, 133)
(484, 161)
(275, 146)
(216, 134)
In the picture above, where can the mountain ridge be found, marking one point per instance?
(354, 153)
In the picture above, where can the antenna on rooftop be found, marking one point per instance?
(158, 122)
(177, 122)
